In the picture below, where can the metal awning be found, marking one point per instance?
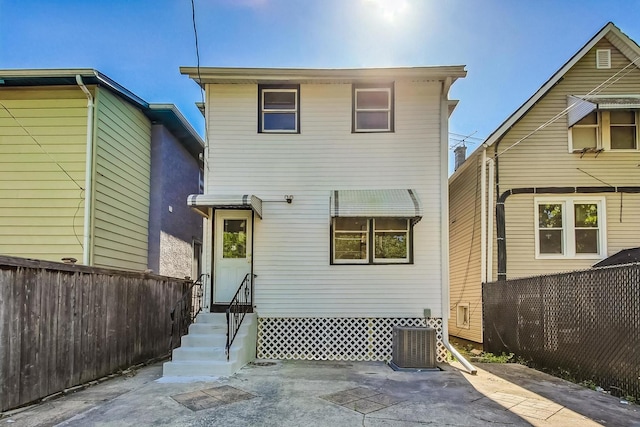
(376, 203)
(580, 106)
(202, 202)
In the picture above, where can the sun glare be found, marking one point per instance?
(388, 10)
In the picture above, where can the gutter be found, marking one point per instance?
(501, 220)
(88, 190)
(444, 226)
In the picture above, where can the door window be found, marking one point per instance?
(234, 240)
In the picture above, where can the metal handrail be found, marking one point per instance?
(240, 305)
(188, 307)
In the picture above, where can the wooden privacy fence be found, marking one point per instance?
(63, 325)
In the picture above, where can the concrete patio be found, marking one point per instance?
(306, 393)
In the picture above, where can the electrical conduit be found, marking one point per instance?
(444, 225)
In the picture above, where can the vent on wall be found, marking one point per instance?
(603, 58)
(413, 348)
(462, 316)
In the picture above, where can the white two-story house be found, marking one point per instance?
(329, 188)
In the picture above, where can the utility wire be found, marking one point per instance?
(40, 145)
(562, 113)
(34, 139)
(200, 83)
(195, 33)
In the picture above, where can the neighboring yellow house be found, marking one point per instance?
(557, 186)
(76, 168)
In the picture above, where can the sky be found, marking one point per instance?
(510, 48)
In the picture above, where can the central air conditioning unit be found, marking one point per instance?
(414, 348)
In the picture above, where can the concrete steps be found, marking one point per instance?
(202, 350)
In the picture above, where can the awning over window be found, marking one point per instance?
(201, 202)
(580, 106)
(376, 203)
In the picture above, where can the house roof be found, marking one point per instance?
(625, 256)
(203, 75)
(620, 40)
(166, 114)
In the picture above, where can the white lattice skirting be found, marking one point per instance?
(335, 338)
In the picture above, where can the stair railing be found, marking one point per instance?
(185, 311)
(240, 305)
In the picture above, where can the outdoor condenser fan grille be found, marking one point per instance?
(414, 348)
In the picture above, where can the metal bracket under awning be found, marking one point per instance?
(202, 202)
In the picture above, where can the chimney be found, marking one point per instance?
(460, 153)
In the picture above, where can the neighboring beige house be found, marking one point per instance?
(77, 154)
(329, 185)
(556, 186)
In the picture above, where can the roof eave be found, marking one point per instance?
(66, 77)
(170, 117)
(205, 75)
(553, 80)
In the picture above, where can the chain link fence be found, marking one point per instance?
(584, 325)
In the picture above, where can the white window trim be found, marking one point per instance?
(461, 308)
(350, 261)
(404, 260)
(568, 226)
(293, 110)
(603, 134)
(597, 126)
(387, 110)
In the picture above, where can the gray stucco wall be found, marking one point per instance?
(173, 226)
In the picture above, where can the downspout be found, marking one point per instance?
(483, 216)
(88, 191)
(444, 225)
(502, 245)
(491, 212)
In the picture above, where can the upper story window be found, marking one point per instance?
(611, 130)
(603, 122)
(279, 108)
(585, 134)
(570, 228)
(373, 108)
(623, 129)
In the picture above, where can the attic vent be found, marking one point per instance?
(413, 348)
(603, 58)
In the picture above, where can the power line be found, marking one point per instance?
(82, 191)
(565, 111)
(202, 97)
(40, 145)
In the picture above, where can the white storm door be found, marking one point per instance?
(232, 252)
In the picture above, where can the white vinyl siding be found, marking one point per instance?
(41, 206)
(291, 242)
(122, 177)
